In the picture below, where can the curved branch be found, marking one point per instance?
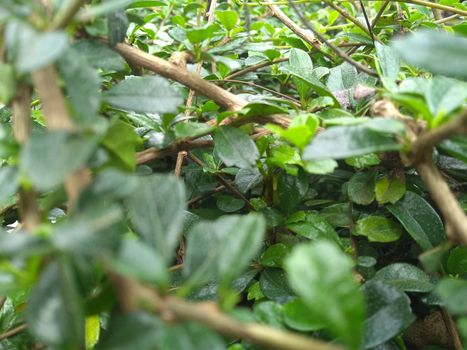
(133, 295)
(168, 70)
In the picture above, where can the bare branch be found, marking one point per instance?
(133, 295)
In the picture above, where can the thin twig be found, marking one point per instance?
(223, 181)
(425, 142)
(66, 14)
(281, 16)
(334, 48)
(452, 330)
(14, 331)
(205, 195)
(255, 68)
(133, 295)
(171, 71)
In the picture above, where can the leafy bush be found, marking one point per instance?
(233, 175)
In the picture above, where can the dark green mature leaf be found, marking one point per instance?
(361, 188)
(349, 141)
(291, 190)
(157, 210)
(405, 277)
(274, 255)
(139, 261)
(314, 227)
(298, 316)
(117, 26)
(31, 50)
(322, 276)
(100, 55)
(49, 157)
(455, 146)
(9, 177)
(83, 84)
(378, 229)
(453, 293)
(444, 95)
(21, 244)
(190, 336)
(138, 330)
(438, 52)
(388, 313)
(246, 179)
(419, 219)
(235, 147)
(54, 313)
(222, 248)
(274, 285)
(388, 60)
(270, 313)
(149, 94)
(457, 261)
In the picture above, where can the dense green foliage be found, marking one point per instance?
(299, 206)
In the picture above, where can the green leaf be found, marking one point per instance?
(191, 129)
(47, 158)
(437, 52)
(320, 167)
(298, 316)
(388, 313)
(322, 276)
(228, 18)
(457, 261)
(342, 77)
(156, 208)
(117, 26)
(352, 141)
(274, 255)
(389, 63)
(100, 55)
(262, 108)
(389, 190)
(137, 260)
(274, 285)
(419, 219)
(246, 179)
(314, 227)
(361, 188)
(149, 94)
(9, 181)
(22, 244)
(300, 131)
(32, 50)
(378, 229)
(190, 336)
(235, 147)
(444, 95)
(55, 312)
(222, 248)
(137, 330)
(82, 83)
(406, 277)
(291, 190)
(270, 313)
(7, 83)
(197, 35)
(455, 146)
(453, 293)
(121, 141)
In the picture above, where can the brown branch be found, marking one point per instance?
(14, 331)
(58, 118)
(205, 195)
(281, 16)
(133, 295)
(66, 14)
(334, 48)
(155, 64)
(426, 141)
(29, 211)
(153, 153)
(255, 67)
(454, 216)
